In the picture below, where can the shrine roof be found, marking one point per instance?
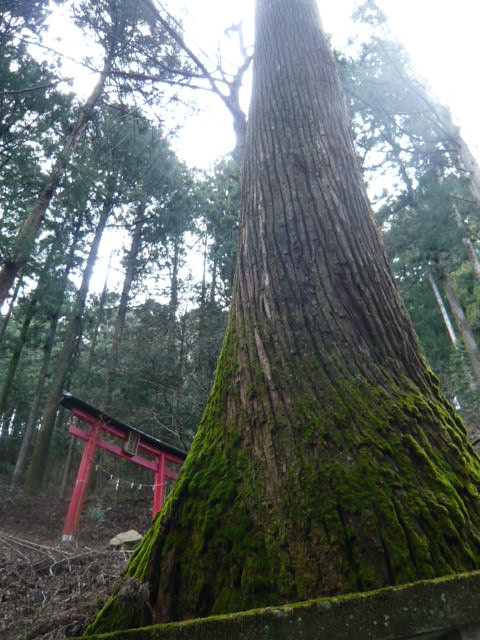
(71, 402)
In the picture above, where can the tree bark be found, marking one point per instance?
(327, 460)
(36, 471)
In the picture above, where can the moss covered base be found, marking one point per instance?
(440, 606)
(371, 488)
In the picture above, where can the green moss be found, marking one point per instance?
(376, 487)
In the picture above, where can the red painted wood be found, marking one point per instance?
(93, 440)
(81, 484)
(159, 489)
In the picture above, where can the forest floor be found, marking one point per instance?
(50, 590)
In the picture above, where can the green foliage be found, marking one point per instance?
(427, 210)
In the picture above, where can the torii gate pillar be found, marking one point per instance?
(133, 443)
(81, 484)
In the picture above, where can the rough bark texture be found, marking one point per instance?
(327, 460)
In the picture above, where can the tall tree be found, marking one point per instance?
(125, 32)
(36, 470)
(327, 460)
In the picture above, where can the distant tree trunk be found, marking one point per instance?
(25, 241)
(172, 360)
(471, 165)
(67, 467)
(11, 305)
(472, 256)
(36, 471)
(22, 459)
(463, 326)
(327, 460)
(31, 308)
(55, 311)
(173, 303)
(15, 358)
(443, 311)
(130, 272)
(179, 383)
(96, 328)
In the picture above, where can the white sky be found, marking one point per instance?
(441, 37)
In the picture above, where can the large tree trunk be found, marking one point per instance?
(36, 471)
(327, 460)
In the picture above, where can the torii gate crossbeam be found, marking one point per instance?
(134, 442)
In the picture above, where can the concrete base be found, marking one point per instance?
(67, 539)
(442, 609)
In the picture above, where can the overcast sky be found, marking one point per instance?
(440, 35)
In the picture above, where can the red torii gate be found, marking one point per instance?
(133, 442)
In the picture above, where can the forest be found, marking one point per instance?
(84, 180)
(72, 173)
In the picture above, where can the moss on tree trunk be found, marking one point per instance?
(327, 460)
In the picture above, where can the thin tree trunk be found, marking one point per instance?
(472, 256)
(130, 273)
(38, 294)
(36, 471)
(15, 358)
(462, 324)
(172, 362)
(467, 243)
(471, 165)
(21, 463)
(67, 468)
(443, 311)
(48, 346)
(25, 240)
(327, 460)
(179, 383)
(8, 315)
(96, 329)
(173, 303)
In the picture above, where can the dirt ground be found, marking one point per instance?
(50, 590)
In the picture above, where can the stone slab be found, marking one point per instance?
(443, 608)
